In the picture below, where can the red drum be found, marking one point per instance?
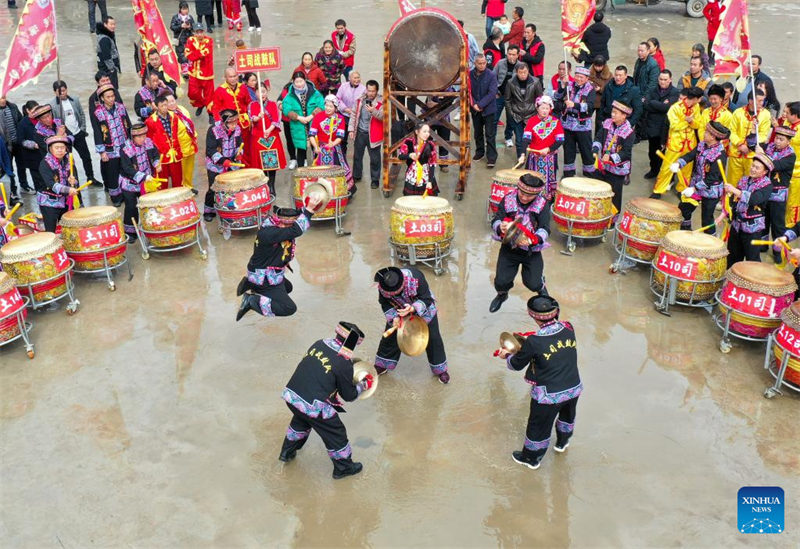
(503, 182)
(787, 339)
(11, 303)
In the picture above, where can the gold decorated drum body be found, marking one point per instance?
(239, 195)
(503, 182)
(645, 221)
(586, 203)
(697, 260)
(787, 339)
(87, 232)
(38, 260)
(11, 302)
(755, 294)
(169, 218)
(303, 177)
(424, 222)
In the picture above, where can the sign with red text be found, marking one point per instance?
(103, 235)
(10, 302)
(251, 198)
(499, 191)
(749, 302)
(255, 60)
(677, 267)
(424, 228)
(625, 223)
(177, 213)
(571, 205)
(789, 339)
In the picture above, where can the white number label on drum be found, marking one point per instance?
(10, 302)
(789, 339)
(625, 224)
(253, 197)
(61, 259)
(679, 267)
(430, 227)
(748, 302)
(183, 211)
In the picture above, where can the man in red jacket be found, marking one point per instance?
(200, 54)
(515, 36)
(345, 43)
(713, 13)
(493, 10)
(162, 129)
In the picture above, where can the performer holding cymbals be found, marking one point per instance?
(551, 358)
(403, 294)
(522, 223)
(323, 375)
(272, 252)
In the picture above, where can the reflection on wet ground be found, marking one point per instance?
(151, 418)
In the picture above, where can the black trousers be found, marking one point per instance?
(275, 300)
(740, 248)
(343, 144)
(287, 133)
(79, 144)
(508, 263)
(332, 432)
(131, 211)
(110, 172)
(360, 143)
(388, 354)
(540, 426)
(617, 183)
(653, 145)
(301, 156)
(707, 207)
(252, 17)
(218, 3)
(209, 17)
(209, 199)
(776, 219)
(51, 217)
(20, 173)
(444, 133)
(93, 5)
(485, 125)
(574, 142)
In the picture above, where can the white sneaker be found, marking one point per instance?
(258, 29)
(292, 164)
(509, 143)
(251, 29)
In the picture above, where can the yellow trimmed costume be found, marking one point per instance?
(681, 140)
(793, 200)
(742, 126)
(721, 115)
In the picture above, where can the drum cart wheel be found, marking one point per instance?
(668, 295)
(571, 244)
(28, 290)
(723, 321)
(24, 328)
(407, 253)
(144, 242)
(106, 269)
(777, 369)
(226, 228)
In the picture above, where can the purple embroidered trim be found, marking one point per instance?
(537, 445)
(564, 427)
(550, 329)
(439, 368)
(342, 453)
(293, 435)
(387, 363)
(539, 394)
(317, 409)
(272, 275)
(266, 306)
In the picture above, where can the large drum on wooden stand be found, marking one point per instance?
(38, 262)
(645, 221)
(242, 198)
(88, 232)
(696, 260)
(336, 176)
(169, 218)
(426, 223)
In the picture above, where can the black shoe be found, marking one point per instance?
(132, 237)
(651, 175)
(490, 164)
(520, 458)
(26, 190)
(209, 217)
(656, 196)
(249, 302)
(686, 225)
(498, 301)
(354, 469)
(287, 455)
(356, 179)
(117, 203)
(477, 157)
(243, 286)
(373, 185)
(562, 442)
(96, 183)
(198, 111)
(194, 191)
(353, 192)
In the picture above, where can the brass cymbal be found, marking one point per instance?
(514, 235)
(360, 370)
(412, 336)
(511, 342)
(322, 189)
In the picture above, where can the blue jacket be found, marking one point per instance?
(483, 88)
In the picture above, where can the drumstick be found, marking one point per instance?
(519, 164)
(10, 227)
(763, 242)
(391, 330)
(237, 164)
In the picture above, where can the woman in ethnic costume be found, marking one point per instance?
(543, 136)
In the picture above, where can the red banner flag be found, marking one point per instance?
(405, 7)
(576, 16)
(33, 47)
(150, 25)
(732, 44)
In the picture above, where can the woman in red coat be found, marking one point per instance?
(313, 73)
(544, 135)
(266, 146)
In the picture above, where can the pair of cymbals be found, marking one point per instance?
(514, 235)
(361, 369)
(321, 189)
(511, 342)
(412, 335)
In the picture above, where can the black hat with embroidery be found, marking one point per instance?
(390, 280)
(349, 336)
(543, 307)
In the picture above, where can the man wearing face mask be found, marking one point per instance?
(345, 43)
(366, 131)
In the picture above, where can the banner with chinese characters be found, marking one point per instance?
(33, 47)
(256, 60)
(153, 32)
(731, 45)
(576, 16)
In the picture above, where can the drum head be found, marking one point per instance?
(422, 204)
(84, 217)
(167, 196)
(30, 246)
(511, 177)
(585, 187)
(651, 208)
(701, 244)
(761, 274)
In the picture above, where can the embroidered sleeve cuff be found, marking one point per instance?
(542, 234)
(139, 177)
(100, 149)
(391, 314)
(615, 157)
(421, 309)
(790, 235)
(216, 158)
(596, 147)
(508, 362)
(303, 222)
(682, 162)
(583, 107)
(312, 131)
(60, 189)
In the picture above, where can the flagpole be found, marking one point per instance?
(753, 85)
(55, 41)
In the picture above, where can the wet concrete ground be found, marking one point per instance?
(152, 419)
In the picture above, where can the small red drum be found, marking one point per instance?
(169, 218)
(787, 339)
(240, 196)
(503, 182)
(584, 202)
(11, 303)
(336, 175)
(755, 294)
(38, 261)
(89, 232)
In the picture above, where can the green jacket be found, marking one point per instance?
(291, 104)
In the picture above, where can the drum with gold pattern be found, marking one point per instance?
(755, 294)
(169, 218)
(696, 260)
(503, 182)
(11, 303)
(423, 221)
(584, 202)
(88, 232)
(336, 175)
(239, 197)
(787, 339)
(38, 260)
(645, 221)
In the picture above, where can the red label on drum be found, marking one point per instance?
(498, 192)
(102, 235)
(571, 205)
(431, 227)
(10, 302)
(60, 259)
(789, 339)
(749, 302)
(252, 198)
(180, 212)
(678, 267)
(625, 222)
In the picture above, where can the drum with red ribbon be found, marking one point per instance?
(38, 264)
(503, 182)
(645, 221)
(583, 203)
(92, 233)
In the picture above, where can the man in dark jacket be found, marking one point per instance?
(10, 118)
(596, 40)
(483, 108)
(107, 52)
(622, 88)
(68, 109)
(26, 133)
(654, 124)
(522, 91)
(504, 71)
(645, 71)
